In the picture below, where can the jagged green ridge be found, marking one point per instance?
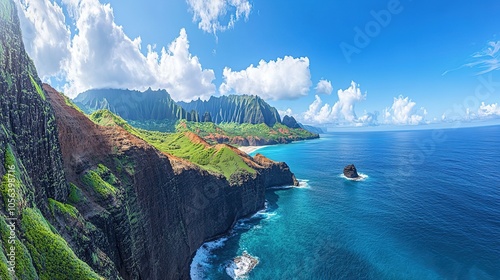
(235, 109)
(134, 105)
(222, 160)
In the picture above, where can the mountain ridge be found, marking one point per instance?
(235, 108)
(134, 105)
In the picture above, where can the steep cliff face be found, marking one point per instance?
(235, 108)
(25, 116)
(31, 169)
(163, 207)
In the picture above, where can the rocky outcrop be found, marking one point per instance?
(241, 265)
(165, 209)
(235, 108)
(351, 172)
(275, 172)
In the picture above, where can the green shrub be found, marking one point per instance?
(66, 209)
(75, 194)
(94, 179)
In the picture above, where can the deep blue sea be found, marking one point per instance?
(428, 209)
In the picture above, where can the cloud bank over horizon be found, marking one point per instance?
(403, 111)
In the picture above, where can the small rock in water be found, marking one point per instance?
(351, 172)
(241, 265)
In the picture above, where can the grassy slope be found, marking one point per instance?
(218, 159)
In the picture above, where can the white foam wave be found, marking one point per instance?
(201, 258)
(303, 184)
(361, 177)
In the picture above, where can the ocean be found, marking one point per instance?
(429, 208)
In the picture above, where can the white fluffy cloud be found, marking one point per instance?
(211, 13)
(181, 73)
(404, 112)
(324, 86)
(287, 78)
(488, 110)
(344, 108)
(101, 55)
(45, 35)
(342, 112)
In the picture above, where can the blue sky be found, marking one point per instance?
(396, 52)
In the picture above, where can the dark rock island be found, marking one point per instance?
(351, 172)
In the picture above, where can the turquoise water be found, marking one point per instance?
(429, 209)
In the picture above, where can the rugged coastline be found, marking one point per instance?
(199, 210)
(95, 201)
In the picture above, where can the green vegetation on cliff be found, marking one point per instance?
(51, 254)
(11, 184)
(134, 105)
(63, 208)
(220, 159)
(75, 194)
(24, 268)
(101, 180)
(37, 87)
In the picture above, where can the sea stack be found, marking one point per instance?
(241, 265)
(351, 172)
